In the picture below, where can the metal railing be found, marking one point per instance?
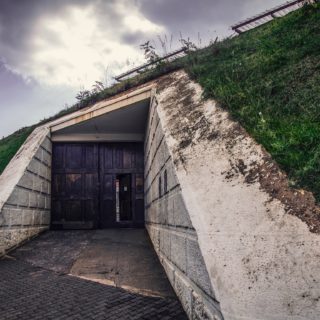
(239, 27)
(267, 16)
(169, 57)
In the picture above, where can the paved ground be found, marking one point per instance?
(103, 274)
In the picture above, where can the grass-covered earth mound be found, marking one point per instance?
(268, 79)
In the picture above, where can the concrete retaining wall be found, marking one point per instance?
(170, 228)
(25, 200)
(235, 240)
(259, 238)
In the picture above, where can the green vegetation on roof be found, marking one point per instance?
(268, 79)
(11, 144)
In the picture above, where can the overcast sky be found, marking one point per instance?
(49, 50)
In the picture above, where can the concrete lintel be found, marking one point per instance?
(103, 107)
(129, 137)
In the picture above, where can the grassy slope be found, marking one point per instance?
(10, 145)
(269, 80)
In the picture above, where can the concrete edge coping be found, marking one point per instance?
(18, 164)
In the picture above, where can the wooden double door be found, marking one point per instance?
(97, 185)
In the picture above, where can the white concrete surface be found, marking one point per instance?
(170, 227)
(25, 190)
(263, 262)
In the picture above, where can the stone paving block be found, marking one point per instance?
(172, 177)
(37, 184)
(38, 154)
(47, 144)
(163, 217)
(47, 202)
(49, 188)
(170, 208)
(26, 180)
(165, 243)
(33, 199)
(45, 187)
(37, 217)
(41, 201)
(34, 166)
(45, 218)
(16, 217)
(196, 268)
(19, 196)
(43, 170)
(181, 215)
(28, 217)
(41, 185)
(46, 158)
(178, 251)
(154, 234)
(184, 293)
(5, 216)
(48, 174)
(169, 269)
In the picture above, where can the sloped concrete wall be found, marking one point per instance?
(259, 238)
(170, 228)
(25, 188)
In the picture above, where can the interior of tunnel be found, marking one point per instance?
(98, 170)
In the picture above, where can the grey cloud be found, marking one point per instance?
(18, 22)
(134, 38)
(202, 16)
(10, 82)
(18, 18)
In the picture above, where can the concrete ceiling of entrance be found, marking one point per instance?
(127, 123)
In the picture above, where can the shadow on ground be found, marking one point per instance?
(102, 274)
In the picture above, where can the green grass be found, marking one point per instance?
(10, 145)
(268, 79)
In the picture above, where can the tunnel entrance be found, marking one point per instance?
(97, 185)
(123, 198)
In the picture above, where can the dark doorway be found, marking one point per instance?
(123, 198)
(97, 185)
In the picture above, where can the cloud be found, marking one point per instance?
(203, 18)
(75, 43)
(51, 48)
(72, 43)
(25, 103)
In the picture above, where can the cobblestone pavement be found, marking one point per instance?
(32, 292)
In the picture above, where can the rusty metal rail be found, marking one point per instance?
(240, 27)
(267, 16)
(169, 57)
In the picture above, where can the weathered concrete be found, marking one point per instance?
(61, 275)
(234, 239)
(170, 228)
(259, 248)
(25, 191)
